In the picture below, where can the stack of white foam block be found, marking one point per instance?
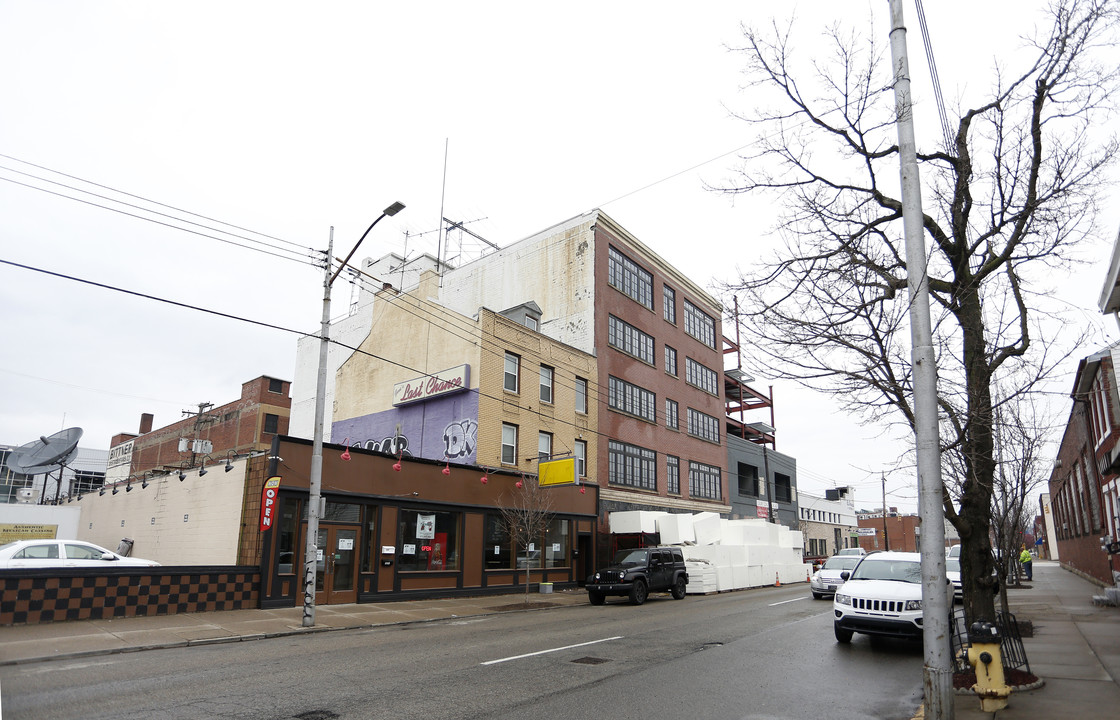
(722, 554)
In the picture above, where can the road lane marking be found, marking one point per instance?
(783, 602)
(544, 652)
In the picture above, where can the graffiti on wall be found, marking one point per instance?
(397, 445)
(459, 438)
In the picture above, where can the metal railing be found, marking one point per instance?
(1011, 642)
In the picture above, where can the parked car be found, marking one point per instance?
(827, 579)
(953, 572)
(953, 552)
(638, 572)
(856, 552)
(882, 596)
(64, 554)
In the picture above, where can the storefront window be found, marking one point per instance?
(338, 513)
(556, 544)
(552, 549)
(286, 547)
(498, 544)
(429, 540)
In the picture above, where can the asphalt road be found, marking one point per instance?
(764, 653)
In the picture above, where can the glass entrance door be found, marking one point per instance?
(337, 567)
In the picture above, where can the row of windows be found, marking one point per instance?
(629, 339)
(819, 515)
(631, 399)
(511, 381)
(703, 426)
(701, 376)
(749, 484)
(635, 466)
(637, 283)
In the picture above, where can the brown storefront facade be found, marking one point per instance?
(428, 529)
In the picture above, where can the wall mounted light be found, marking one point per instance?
(128, 486)
(229, 463)
(101, 491)
(144, 484)
(182, 475)
(202, 470)
(116, 489)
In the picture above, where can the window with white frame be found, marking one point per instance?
(544, 445)
(703, 426)
(701, 376)
(581, 458)
(509, 444)
(581, 395)
(631, 465)
(547, 374)
(625, 337)
(1098, 404)
(629, 398)
(699, 324)
(703, 480)
(626, 275)
(512, 372)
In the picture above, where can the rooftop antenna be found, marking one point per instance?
(442, 196)
(45, 455)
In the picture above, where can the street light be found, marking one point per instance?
(311, 552)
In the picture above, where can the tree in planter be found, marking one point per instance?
(1009, 192)
(527, 514)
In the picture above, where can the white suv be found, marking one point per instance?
(882, 596)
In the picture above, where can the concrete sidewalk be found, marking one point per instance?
(82, 638)
(1075, 651)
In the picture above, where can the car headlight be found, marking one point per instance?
(913, 604)
(596, 577)
(843, 599)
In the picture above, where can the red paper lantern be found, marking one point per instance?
(519, 484)
(397, 466)
(484, 479)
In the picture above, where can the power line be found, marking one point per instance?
(147, 200)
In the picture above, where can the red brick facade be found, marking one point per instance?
(1083, 483)
(244, 425)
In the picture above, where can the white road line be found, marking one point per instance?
(783, 602)
(543, 652)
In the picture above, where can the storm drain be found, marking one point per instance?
(590, 660)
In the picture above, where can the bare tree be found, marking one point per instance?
(1006, 195)
(527, 515)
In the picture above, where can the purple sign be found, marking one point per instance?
(444, 427)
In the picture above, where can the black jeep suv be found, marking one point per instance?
(638, 572)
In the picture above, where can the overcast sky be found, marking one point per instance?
(286, 119)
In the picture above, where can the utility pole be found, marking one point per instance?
(886, 537)
(937, 677)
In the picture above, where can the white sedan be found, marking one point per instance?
(64, 554)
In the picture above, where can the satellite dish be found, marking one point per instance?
(46, 453)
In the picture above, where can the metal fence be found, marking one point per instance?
(1011, 642)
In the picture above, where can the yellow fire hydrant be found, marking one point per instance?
(985, 658)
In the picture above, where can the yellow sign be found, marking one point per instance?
(10, 532)
(558, 472)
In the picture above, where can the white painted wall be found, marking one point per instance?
(66, 517)
(193, 522)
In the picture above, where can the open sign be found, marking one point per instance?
(268, 502)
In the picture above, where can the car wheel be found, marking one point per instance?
(678, 589)
(842, 635)
(638, 593)
(596, 598)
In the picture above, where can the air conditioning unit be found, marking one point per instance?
(25, 496)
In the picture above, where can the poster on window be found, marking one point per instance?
(437, 555)
(425, 527)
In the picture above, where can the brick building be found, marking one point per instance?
(655, 335)
(828, 523)
(1083, 486)
(208, 436)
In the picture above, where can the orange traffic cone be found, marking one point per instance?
(808, 576)
(777, 582)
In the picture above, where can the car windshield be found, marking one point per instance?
(952, 565)
(631, 557)
(840, 563)
(897, 570)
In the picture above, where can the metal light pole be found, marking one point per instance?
(938, 672)
(311, 548)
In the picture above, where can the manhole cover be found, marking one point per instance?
(591, 661)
